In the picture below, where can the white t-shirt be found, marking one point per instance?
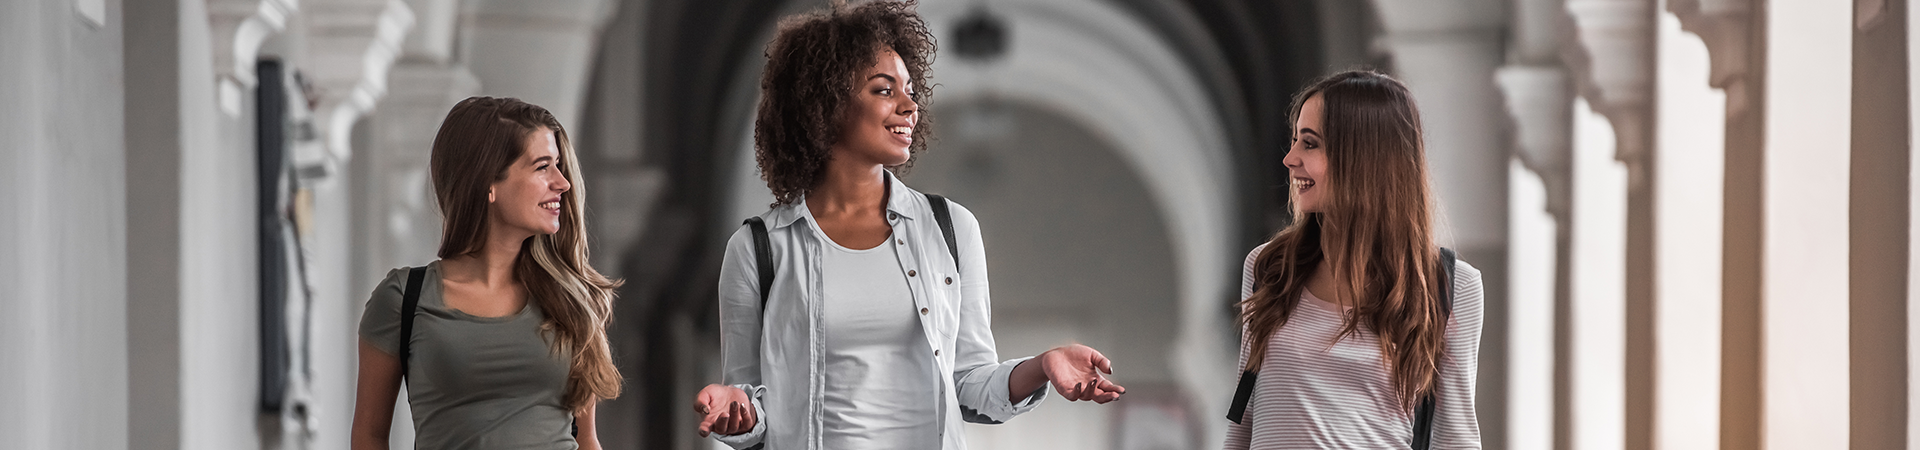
(1318, 392)
(882, 390)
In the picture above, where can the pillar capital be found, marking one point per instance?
(1540, 103)
(1611, 55)
(351, 44)
(238, 28)
(1723, 26)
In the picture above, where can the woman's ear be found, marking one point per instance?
(489, 195)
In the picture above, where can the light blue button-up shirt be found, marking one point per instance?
(776, 355)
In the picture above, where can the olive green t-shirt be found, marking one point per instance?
(474, 382)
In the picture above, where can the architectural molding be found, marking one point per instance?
(238, 28)
(1611, 54)
(1724, 26)
(351, 46)
(1540, 103)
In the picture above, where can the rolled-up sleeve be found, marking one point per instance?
(752, 438)
(740, 317)
(983, 393)
(978, 375)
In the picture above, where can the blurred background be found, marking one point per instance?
(1694, 217)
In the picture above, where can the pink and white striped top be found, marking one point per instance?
(1314, 393)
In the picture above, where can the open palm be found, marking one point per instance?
(1076, 372)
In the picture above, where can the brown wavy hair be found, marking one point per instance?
(480, 139)
(812, 64)
(1376, 233)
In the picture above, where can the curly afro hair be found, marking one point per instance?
(812, 64)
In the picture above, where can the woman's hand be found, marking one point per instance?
(1072, 370)
(728, 410)
(1075, 371)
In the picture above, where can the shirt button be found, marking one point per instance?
(923, 311)
(900, 241)
(936, 353)
(949, 280)
(892, 216)
(911, 273)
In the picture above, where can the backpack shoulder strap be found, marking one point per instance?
(945, 218)
(1423, 415)
(762, 257)
(409, 303)
(1447, 262)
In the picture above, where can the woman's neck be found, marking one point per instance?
(1325, 282)
(492, 266)
(849, 188)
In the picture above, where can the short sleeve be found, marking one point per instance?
(380, 324)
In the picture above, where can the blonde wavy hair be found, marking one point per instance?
(480, 138)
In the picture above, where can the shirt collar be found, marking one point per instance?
(902, 202)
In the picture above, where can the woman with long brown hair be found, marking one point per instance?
(1355, 334)
(502, 342)
(855, 314)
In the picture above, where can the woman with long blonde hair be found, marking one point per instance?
(503, 341)
(1355, 333)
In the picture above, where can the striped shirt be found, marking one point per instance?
(1315, 393)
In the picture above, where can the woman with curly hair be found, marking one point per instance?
(503, 341)
(855, 314)
(1359, 331)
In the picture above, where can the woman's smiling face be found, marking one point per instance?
(879, 119)
(1306, 160)
(528, 199)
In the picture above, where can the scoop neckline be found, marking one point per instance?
(822, 235)
(440, 295)
(1323, 305)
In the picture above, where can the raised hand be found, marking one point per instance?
(1076, 373)
(728, 410)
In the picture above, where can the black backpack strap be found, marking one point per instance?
(762, 257)
(1446, 265)
(1242, 395)
(409, 302)
(1423, 415)
(945, 219)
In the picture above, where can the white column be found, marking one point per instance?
(1540, 103)
(64, 280)
(1722, 26)
(1804, 266)
(1539, 93)
(1597, 351)
(1613, 70)
(1531, 280)
(1689, 150)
